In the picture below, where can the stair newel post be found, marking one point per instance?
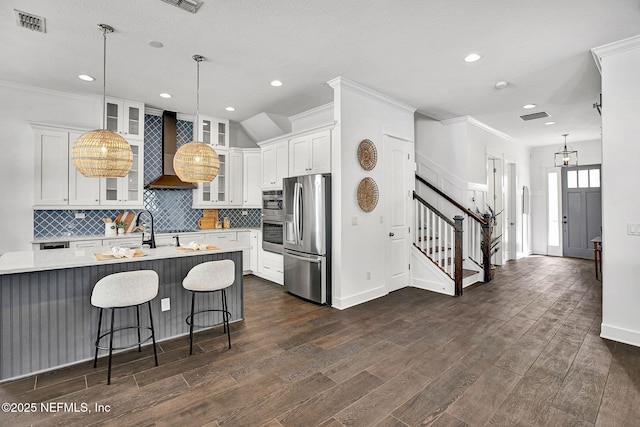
(458, 254)
(486, 246)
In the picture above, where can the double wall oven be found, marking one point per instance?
(272, 220)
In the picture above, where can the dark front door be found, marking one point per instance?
(581, 210)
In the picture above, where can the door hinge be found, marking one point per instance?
(409, 266)
(409, 229)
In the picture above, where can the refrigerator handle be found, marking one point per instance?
(300, 211)
(295, 212)
(316, 261)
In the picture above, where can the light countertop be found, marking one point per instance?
(79, 238)
(30, 261)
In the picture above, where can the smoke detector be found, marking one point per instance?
(30, 21)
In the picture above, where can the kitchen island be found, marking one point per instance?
(46, 317)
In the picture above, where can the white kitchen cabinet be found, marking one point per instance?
(220, 238)
(251, 179)
(57, 181)
(127, 190)
(214, 131)
(275, 164)
(256, 245)
(244, 237)
(271, 267)
(125, 118)
(86, 244)
(235, 177)
(214, 193)
(83, 191)
(52, 167)
(124, 242)
(309, 154)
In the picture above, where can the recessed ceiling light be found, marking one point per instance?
(276, 83)
(549, 123)
(501, 84)
(165, 95)
(155, 43)
(529, 106)
(86, 77)
(473, 57)
(230, 109)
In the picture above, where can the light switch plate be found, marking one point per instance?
(165, 304)
(79, 215)
(633, 229)
(354, 220)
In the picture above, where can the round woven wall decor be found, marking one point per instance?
(367, 194)
(367, 154)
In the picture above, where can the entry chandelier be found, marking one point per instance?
(196, 161)
(102, 153)
(566, 156)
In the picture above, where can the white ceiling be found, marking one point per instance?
(411, 50)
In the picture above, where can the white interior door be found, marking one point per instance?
(399, 184)
(509, 237)
(495, 200)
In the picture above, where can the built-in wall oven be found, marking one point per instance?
(272, 220)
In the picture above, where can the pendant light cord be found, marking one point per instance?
(105, 29)
(104, 78)
(198, 59)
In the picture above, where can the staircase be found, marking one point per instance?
(449, 253)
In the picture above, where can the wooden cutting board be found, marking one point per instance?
(129, 220)
(105, 257)
(206, 223)
(210, 213)
(209, 248)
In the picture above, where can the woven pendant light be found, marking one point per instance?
(196, 161)
(102, 153)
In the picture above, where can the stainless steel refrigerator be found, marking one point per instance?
(307, 237)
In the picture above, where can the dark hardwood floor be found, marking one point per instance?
(522, 350)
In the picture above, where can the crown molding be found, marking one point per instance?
(470, 120)
(325, 126)
(35, 89)
(312, 112)
(51, 126)
(370, 93)
(600, 52)
(158, 112)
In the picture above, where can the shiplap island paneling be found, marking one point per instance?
(46, 317)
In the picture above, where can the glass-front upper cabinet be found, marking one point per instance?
(214, 192)
(214, 131)
(127, 190)
(125, 117)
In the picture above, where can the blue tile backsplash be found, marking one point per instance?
(171, 208)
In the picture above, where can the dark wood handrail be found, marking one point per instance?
(468, 211)
(436, 211)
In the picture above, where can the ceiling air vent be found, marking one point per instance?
(188, 5)
(29, 21)
(533, 116)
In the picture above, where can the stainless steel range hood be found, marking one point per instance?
(169, 179)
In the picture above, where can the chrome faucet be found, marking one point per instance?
(177, 237)
(148, 237)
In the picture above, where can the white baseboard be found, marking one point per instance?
(615, 333)
(431, 286)
(350, 301)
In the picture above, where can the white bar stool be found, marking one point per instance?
(124, 290)
(210, 276)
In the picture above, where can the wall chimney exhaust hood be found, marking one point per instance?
(169, 179)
